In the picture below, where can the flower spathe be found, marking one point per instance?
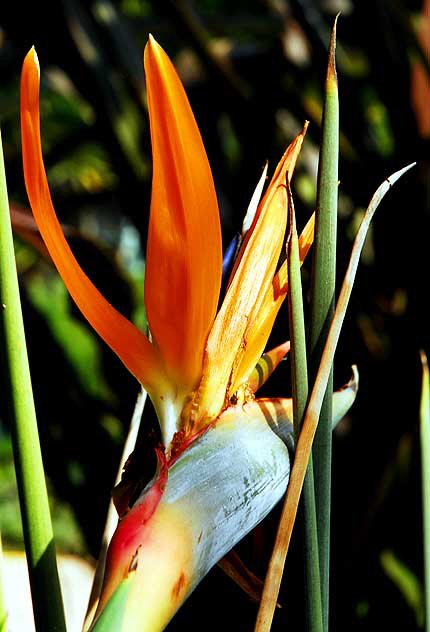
(199, 369)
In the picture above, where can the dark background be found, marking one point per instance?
(254, 71)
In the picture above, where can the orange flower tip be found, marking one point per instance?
(30, 80)
(32, 57)
(153, 51)
(153, 46)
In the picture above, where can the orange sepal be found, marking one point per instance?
(184, 253)
(130, 344)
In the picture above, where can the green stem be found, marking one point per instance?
(322, 308)
(425, 469)
(300, 388)
(38, 536)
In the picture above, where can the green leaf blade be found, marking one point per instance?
(37, 527)
(322, 308)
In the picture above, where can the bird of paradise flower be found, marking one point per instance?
(222, 468)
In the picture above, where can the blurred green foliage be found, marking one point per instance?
(254, 72)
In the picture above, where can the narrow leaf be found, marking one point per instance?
(300, 397)
(33, 497)
(310, 422)
(407, 583)
(322, 308)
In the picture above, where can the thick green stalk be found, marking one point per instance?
(300, 390)
(39, 541)
(322, 308)
(425, 469)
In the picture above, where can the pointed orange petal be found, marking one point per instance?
(251, 283)
(184, 254)
(134, 349)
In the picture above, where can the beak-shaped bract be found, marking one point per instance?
(217, 490)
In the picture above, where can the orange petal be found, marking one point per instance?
(227, 340)
(257, 334)
(184, 253)
(134, 349)
(259, 329)
(251, 282)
